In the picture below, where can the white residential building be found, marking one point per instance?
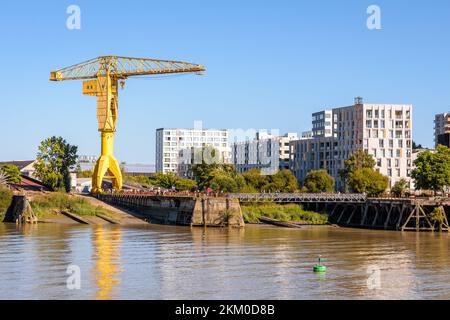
(442, 129)
(267, 152)
(169, 143)
(383, 130)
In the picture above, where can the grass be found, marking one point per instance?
(285, 213)
(5, 201)
(56, 202)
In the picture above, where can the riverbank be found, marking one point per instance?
(286, 213)
(62, 208)
(5, 201)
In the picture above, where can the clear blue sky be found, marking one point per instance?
(270, 64)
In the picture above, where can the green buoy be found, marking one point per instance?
(319, 267)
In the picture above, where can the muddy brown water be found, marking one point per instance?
(259, 262)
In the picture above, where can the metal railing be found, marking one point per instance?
(300, 197)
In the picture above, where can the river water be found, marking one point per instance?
(163, 262)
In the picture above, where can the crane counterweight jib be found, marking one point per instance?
(122, 68)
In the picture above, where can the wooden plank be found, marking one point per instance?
(74, 217)
(107, 219)
(279, 223)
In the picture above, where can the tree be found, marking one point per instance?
(432, 169)
(400, 187)
(12, 172)
(211, 170)
(319, 181)
(438, 216)
(165, 180)
(254, 179)
(85, 174)
(223, 182)
(369, 181)
(185, 184)
(4, 179)
(142, 180)
(55, 159)
(282, 181)
(5, 199)
(416, 146)
(358, 160)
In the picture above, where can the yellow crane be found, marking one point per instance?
(102, 76)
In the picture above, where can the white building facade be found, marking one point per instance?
(169, 143)
(266, 152)
(383, 130)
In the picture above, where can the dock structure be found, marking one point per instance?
(346, 210)
(393, 214)
(360, 211)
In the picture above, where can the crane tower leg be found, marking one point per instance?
(107, 111)
(107, 164)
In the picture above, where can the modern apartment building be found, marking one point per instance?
(266, 152)
(442, 129)
(322, 124)
(169, 143)
(383, 130)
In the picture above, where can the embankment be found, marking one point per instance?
(187, 211)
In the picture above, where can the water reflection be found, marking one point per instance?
(159, 262)
(106, 257)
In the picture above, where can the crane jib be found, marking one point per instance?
(102, 77)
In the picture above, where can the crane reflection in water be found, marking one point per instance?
(106, 256)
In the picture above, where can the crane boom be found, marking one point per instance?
(101, 79)
(122, 68)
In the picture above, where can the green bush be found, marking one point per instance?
(12, 172)
(5, 201)
(57, 202)
(285, 213)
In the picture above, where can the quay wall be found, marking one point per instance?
(185, 211)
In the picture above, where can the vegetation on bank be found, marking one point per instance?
(5, 200)
(11, 172)
(54, 203)
(285, 213)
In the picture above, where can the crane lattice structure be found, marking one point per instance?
(102, 76)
